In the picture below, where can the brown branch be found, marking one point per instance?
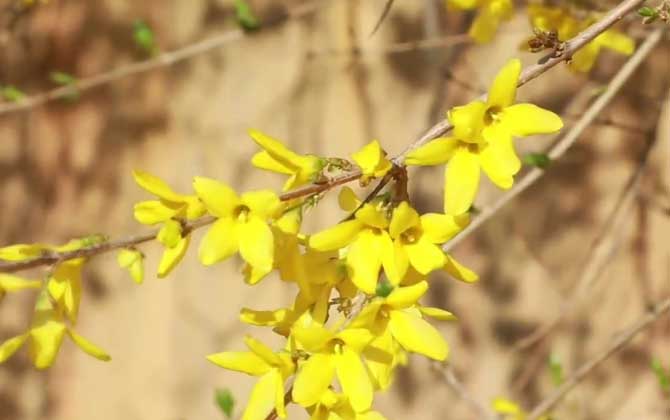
(449, 377)
(161, 60)
(567, 140)
(619, 343)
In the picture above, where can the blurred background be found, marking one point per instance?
(324, 85)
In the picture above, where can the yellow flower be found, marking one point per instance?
(382, 369)
(133, 261)
(334, 406)
(242, 225)
(11, 283)
(278, 158)
(273, 370)
(332, 354)
(482, 139)
(416, 239)
(567, 26)
(170, 205)
(64, 286)
(372, 161)
(400, 313)
(489, 16)
(369, 244)
(46, 335)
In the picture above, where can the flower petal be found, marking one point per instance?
(170, 234)
(484, 27)
(9, 347)
(45, 342)
(418, 336)
(468, 121)
(313, 379)
(425, 256)
(256, 244)
(263, 398)
(264, 160)
(435, 152)
(88, 347)
(172, 256)
(262, 203)
(372, 216)
(220, 242)
(404, 297)
(12, 283)
(528, 119)
(283, 155)
(219, 198)
(354, 379)
(503, 90)
(156, 186)
(617, 41)
(371, 159)
(365, 259)
(154, 211)
(439, 228)
(437, 313)
(347, 199)
(335, 237)
(462, 182)
(458, 271)
(240, 361)
(404, 217)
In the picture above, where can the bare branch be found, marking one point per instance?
(619, 343)
(446, 371)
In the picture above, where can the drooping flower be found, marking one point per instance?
(278, 158)
(45, 337)
(272, 369)
(400, 313)
(242, 225)
(482, 139)
(372, 161)
(133, 261)
(490, 13)
(567, 26)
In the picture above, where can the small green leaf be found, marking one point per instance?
(62, 78)
(11, 93)
(144, 37)
(662, 375)
(556, 370)
(539, 160)
(384, 288)
(226, 402)
(647, 12)
(245, 16)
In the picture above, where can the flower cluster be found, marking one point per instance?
(357, 312)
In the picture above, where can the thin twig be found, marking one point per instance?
(569, 139)
(450, 378)
(619, 343)
(161, 60)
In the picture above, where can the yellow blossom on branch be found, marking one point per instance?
(11, 283)
(482, 140)
(372, 161)
(490, 13)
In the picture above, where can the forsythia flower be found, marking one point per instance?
(10, 283)
(482, 139)
(490, 14)
(46, 335)
(567, 26)
(273, 370)
(168, 209)
(333, 406)
(511, 410)
(372, 161)
(242, 225)
(278, 158)
(332, 354)
(133, 261)
(400, 313)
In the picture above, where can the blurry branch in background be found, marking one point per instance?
(160, 60)
(437, 130)
(385, 12)
(619, 343)
(446, 372)
(568, 139)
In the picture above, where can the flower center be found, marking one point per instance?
(241, 213)
(491, 115)
(413, 234)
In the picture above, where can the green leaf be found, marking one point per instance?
(11, 93)
(226, 402)
(647, 12)
(539, 160)
(384, 288)
(62, 78)
(556, 370)
(245, 16)
(661, 374)
(144, 37)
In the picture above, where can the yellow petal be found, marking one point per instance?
(262, 351)
(365, 259)
(348, 200)
(276, 149)
(371, 159)
(88, 347)
(462, 4)
(500, 141)
(313, 338)
(418, 336)
(354, 379)
(468, 121)
(172, 256)
(437, 313)
(484, 27)
(313, 379)
(458, 271)
(505, 406)
(263, 318)
(220, 200)
(133, 261)
(404, 217)
(264, 160)
(194, 207)
(220, 242)
(528, 119)
(370, 415)
(394, 260)
(9, 347)
(503, 89)
(335, 237)
(493, 162)
(404, 297)
(20, 252)
(435, 152)
(439, 228)
(263, 398)
(584, 59)
(154, 211)
(11, 283)
(356, 338)
(156, 186)
(264, 204)
(372, 216)
(65, 287)
(46, 339)
(256, 244)
(617, 41)
(425, 256)
(240, 361)
(170, 234)
(462, 182)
